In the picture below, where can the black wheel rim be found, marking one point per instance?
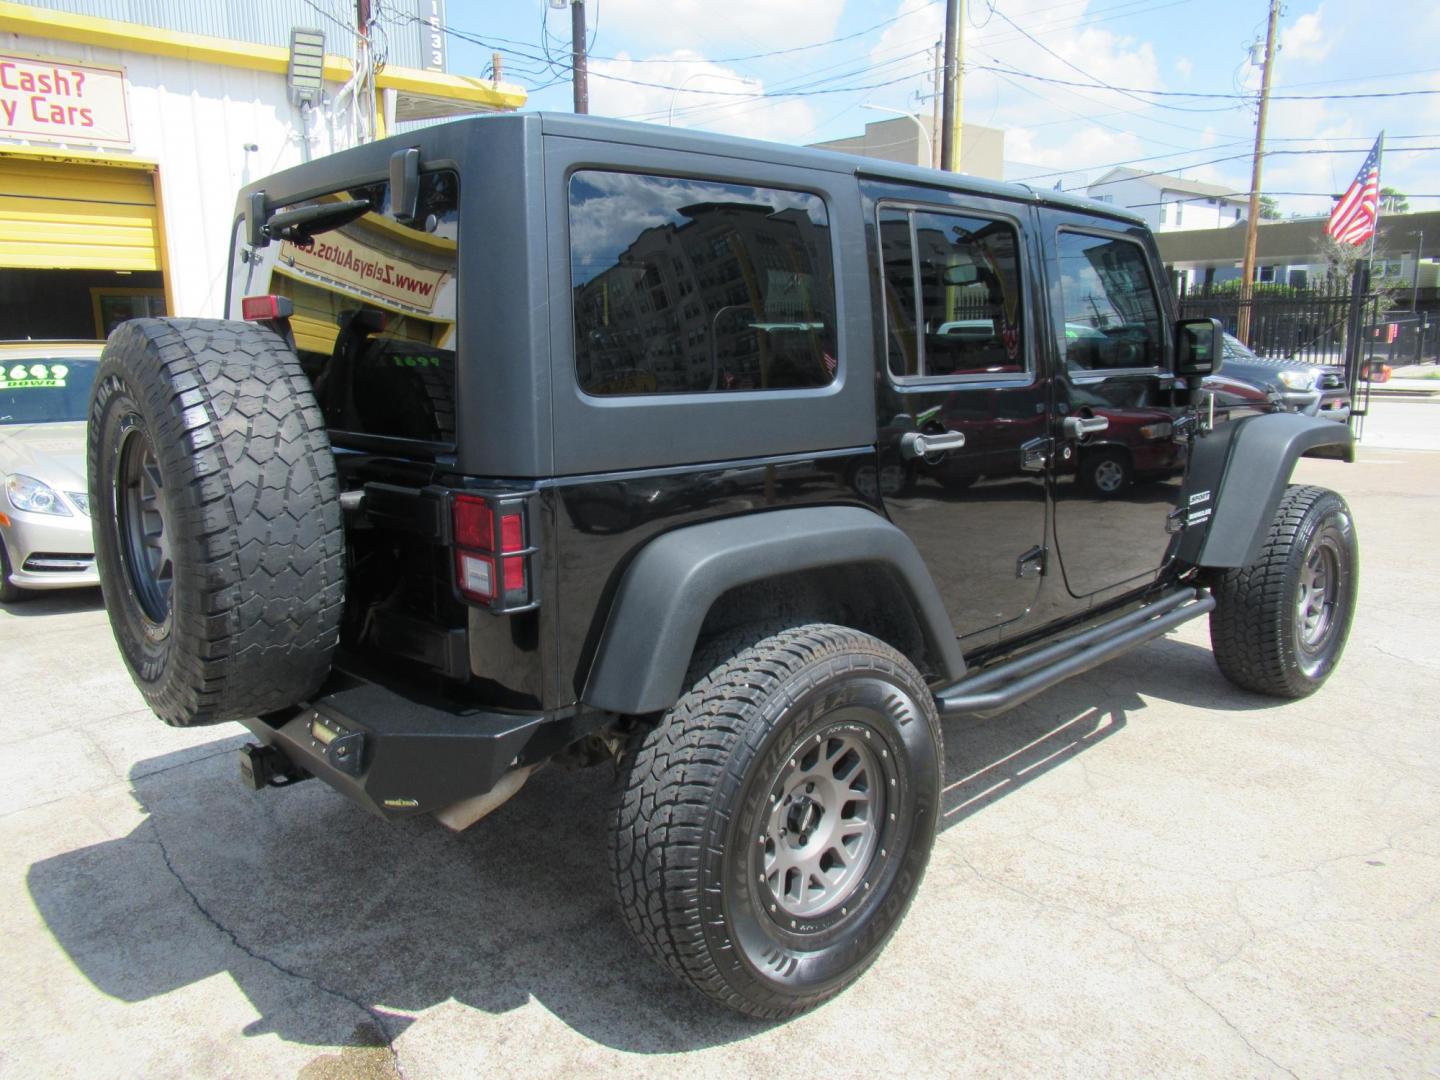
(144, 538)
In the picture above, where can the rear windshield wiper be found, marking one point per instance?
(304, 222)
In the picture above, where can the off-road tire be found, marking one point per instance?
(687, 833)
(1256, 629)
(9, 594)
(218, 424)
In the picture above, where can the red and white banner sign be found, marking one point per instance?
(57, 101)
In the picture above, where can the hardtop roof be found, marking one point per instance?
(635, 134)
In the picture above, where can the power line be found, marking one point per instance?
(1217, 161)
(1212, 96)
(1236, 194)
(464, 36)
(1098, 83)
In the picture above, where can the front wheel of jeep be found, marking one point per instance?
(1280, 624)
(773, 828)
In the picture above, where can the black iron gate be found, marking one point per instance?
(1336, 325)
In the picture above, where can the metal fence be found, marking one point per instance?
(1311, 325)
(1337, 325)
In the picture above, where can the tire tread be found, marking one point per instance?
(257, 515)
(1249, 627)
(663, 804)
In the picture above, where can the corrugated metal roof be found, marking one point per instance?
(262, 22)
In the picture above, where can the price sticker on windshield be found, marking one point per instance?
(33, 376)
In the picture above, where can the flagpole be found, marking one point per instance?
(1379, 200)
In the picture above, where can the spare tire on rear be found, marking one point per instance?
(216, 515)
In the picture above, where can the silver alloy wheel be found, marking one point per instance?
(827, 807)
(1109, 476)
(1315, 599)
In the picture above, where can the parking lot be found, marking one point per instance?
(1144, 871)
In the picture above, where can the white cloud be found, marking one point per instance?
(1052, 124)
(755, 25)
(1075, 152)
(1305, 39)
(1183, 67)
(704, 95)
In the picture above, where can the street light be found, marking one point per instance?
(670, 118)
(929, 149)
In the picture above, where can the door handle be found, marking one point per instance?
(915, 444)
(1076, 427)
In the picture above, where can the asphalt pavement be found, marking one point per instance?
(1142, 872)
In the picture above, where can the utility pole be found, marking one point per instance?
(577, 56)
(954, 98)
(935, 108)
(363, 87)
(1247, 272)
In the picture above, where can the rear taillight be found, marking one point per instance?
(262, 308)
(492, 553)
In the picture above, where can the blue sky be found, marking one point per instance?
(645, 49)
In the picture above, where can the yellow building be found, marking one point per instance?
(122, 145)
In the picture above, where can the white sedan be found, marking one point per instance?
(44, 511)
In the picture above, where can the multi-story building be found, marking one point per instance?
(1170, 203)
(913, 141)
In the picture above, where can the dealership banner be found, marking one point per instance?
(57, 101)
(338, 260)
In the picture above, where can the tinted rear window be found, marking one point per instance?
(375, 312)
(697, 286)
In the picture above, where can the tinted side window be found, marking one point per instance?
(696, 286)
(1112, 319)
(953, 298)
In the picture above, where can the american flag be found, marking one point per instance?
(1353, 219)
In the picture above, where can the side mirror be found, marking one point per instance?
(405, 185)
(1199, 347)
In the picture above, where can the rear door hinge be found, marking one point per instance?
(1031, 564)
(1035, 454)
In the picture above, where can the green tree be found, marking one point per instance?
(1269, 208)
(1392, 201)
(1340, 261)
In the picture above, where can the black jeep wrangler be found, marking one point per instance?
(555, 440)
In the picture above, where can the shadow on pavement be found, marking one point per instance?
(321, 914)
(55, 602)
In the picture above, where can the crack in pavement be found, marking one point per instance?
(378, 1017)
(118, 780)
(1137, 948)
(53, 727)
(1221, 1016)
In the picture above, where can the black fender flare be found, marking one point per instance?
(1259, 458)
(671, 585)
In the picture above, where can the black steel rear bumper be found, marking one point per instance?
(397, 756)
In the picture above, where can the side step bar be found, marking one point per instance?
(1015, 681)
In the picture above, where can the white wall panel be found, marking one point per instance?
(195, 120)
